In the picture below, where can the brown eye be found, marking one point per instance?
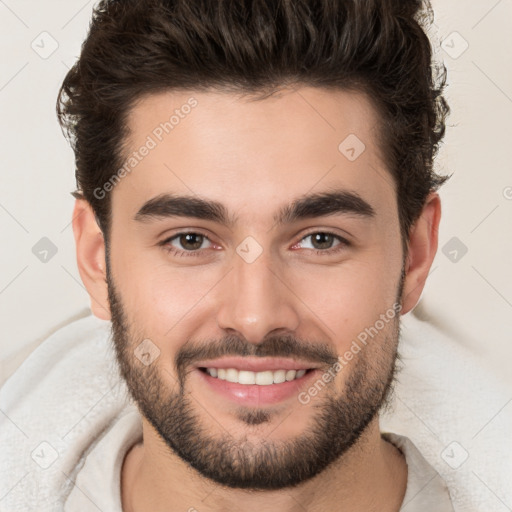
(191, 241)
(186, 244)
(324, 242)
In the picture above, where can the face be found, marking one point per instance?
(284, 255)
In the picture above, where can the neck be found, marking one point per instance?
(372, 475)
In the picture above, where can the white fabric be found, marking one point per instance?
(426, 490)
(59, 406)
(98, 485)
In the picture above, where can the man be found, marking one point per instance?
(255, 193)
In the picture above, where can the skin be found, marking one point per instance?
(246, 154)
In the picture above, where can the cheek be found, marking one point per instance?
(165, 301)
(175, 293)
(350, 297)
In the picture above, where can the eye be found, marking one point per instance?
(191, 243)
(322, 242)
(186, 244)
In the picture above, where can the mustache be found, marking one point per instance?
(271, 346)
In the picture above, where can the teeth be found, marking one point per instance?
(279, 376)
(245, 377)
(261, 378)
(231, 375)
(290, 374)
(264, 378)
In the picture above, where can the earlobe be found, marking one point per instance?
(90, 255)
(423, 241)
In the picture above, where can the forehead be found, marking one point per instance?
(243, 151)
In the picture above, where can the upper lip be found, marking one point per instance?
(256, 364)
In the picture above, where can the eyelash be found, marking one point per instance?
(181, 253)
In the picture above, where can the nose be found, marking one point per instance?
(256, 300)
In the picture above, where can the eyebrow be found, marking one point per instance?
(309, 206)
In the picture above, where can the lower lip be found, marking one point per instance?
(254, 394)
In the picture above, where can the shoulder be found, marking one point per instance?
(426, 489)
(53, 408)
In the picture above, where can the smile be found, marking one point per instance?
(263, 378)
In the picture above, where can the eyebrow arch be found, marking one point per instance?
(309, 206)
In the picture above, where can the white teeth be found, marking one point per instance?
(265, 378)
(231, 375)
(261, 378)
(245, 377)
(279, 376)
(290, 374)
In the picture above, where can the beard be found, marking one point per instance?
(336, 425)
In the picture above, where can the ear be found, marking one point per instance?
(90, 255)
(423, 240)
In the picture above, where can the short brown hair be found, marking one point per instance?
(139, 47)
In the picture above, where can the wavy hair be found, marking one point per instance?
(138, 47)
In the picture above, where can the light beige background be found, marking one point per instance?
(470, 298)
